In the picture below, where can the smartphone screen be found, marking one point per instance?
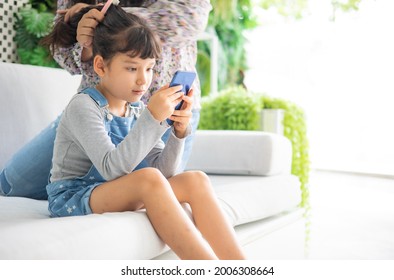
(185, 79)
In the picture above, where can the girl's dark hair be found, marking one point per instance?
(118, 32)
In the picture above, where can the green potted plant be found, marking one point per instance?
(231, 109)
(294, 125)
(235, 108)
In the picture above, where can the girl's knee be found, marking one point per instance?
(199, 176)
(152, 180)
(150, 172)
(201, 183)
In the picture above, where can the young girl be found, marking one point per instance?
(178, 24)
(106, 131)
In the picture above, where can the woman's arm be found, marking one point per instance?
(74, 58)
(63, 4)
(176, 21)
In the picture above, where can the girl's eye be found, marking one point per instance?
(131, 69)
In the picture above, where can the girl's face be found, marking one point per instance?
(126, 78)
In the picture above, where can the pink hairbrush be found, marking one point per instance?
(109, 2)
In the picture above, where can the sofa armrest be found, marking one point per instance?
(235, 152)
(31, 97)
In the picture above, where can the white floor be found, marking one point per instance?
(352, 217)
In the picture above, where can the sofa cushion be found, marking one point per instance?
(246, 199)
(235, 152)
(27, 231)
(23, 94)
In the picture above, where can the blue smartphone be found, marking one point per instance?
(185, 79)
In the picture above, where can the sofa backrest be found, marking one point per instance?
(30, 98)
(240, 152)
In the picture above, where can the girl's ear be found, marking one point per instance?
(99, 65)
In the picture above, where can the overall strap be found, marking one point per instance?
(96, 96)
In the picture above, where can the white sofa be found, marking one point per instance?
(250, 172)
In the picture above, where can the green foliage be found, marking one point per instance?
(295, 130)
(298, 8)
(31, 26)
(37, 56)
(237, 109)
(230, 109)
(204, 70)
(287, 8)
(43, 5)
(36, 23)
(344, 5)
(229, 20)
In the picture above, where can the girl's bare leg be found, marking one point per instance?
(148, 188)
(194, 187)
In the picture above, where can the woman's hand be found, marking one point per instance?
(86, 27)
(183, 116)
(162, 103)
(69, 13)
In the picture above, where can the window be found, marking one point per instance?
(341, 73)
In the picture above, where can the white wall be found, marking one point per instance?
(341, 73)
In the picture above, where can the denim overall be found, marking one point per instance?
(22, 178)
(71, 197)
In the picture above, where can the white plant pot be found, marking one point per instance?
(272, 120)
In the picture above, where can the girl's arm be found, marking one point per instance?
(176, 21)
(168, 159)
(84, 121)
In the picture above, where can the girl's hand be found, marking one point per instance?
(183, 116)
(161, 104)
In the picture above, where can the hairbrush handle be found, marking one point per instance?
(107, 4)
